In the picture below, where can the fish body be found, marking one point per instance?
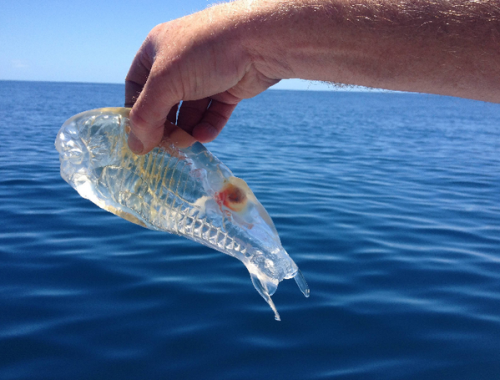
(188, 192)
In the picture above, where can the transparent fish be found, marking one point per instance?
(188, 192)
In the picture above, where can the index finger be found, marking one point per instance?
(136, 77)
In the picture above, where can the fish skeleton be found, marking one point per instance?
(187, 191)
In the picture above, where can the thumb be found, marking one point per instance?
(149, 114)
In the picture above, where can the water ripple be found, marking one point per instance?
(387, 202)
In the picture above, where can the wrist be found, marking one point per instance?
(265, 37)
(286, 38)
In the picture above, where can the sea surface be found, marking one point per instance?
(388, 202)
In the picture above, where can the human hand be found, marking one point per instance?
(200, 60)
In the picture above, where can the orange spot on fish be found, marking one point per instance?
(231, 197)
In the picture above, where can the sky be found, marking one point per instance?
(87, 41)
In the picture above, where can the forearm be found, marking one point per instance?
(444, 47)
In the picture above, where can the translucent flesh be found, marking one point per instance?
(182, 191)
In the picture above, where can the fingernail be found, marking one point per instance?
(135, 144)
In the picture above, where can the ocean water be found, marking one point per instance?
(388, 202)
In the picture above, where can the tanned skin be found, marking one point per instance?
(213, 59)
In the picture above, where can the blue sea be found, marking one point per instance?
(388, 202)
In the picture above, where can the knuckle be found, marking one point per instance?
(153, 33)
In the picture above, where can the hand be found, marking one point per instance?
(199, 60)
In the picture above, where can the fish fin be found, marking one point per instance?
(301, 283)
(262, 289)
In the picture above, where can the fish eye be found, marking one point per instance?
(232, 197)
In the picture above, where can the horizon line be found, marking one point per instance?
(334, 88)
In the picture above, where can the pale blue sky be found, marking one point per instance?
(85, 41)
